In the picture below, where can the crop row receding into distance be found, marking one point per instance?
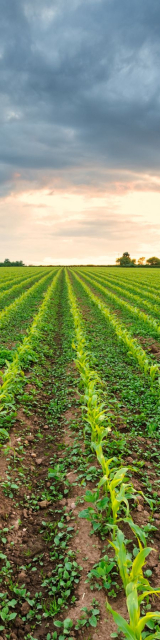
(132, 344)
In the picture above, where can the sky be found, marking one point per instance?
(79, 130)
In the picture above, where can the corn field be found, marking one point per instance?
(80, 465)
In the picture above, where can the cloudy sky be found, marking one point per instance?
(80, 130)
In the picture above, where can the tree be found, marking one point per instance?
(125, 260)
(153, 262)
(8, 263)
(141, 261)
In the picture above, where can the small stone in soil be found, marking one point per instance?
(39, 461)
(27, 628)
(22, 576)
(44, 504)
(25, 608)
(18, 622)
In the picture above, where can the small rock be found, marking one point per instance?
(139, 507)
(32, 468)
(48, 484)
(26, 442)
(46, 426)
(157, 516)
(39, 461)
(146, 514)
(25, 608)
(35, 548)
(73, 505)
(140, 498)
(63, 501)
(33, 455)
(30, 438)
(25, 513)
(44, 504)
(22, 576)
(18, 622)
(27, 628)
(68, 518)
(152, 559)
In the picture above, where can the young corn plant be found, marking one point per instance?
(137, 588)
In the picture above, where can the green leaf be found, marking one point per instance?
(12, 616)
(84, 514)
(149, 616)
(12, 603)
(58, 623)
(68, 566)
(153, 636)
(68, 623)
(139, 562)
(93, 621)
(137, 530)
(122, 624)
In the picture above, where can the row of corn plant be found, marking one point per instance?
(136, 587)
(13, 378)
(129, 285)
(142, 282)
(129, 292)
(11, 312)
(133, 347)
(7, 282)
(14, 291)
(122, 304)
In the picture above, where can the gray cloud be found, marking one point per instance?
(79, 86)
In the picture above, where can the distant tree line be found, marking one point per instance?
(8, 263)
(127, 261)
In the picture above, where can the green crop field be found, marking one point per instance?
(79, 453)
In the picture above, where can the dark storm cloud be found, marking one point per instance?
(79, 84)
